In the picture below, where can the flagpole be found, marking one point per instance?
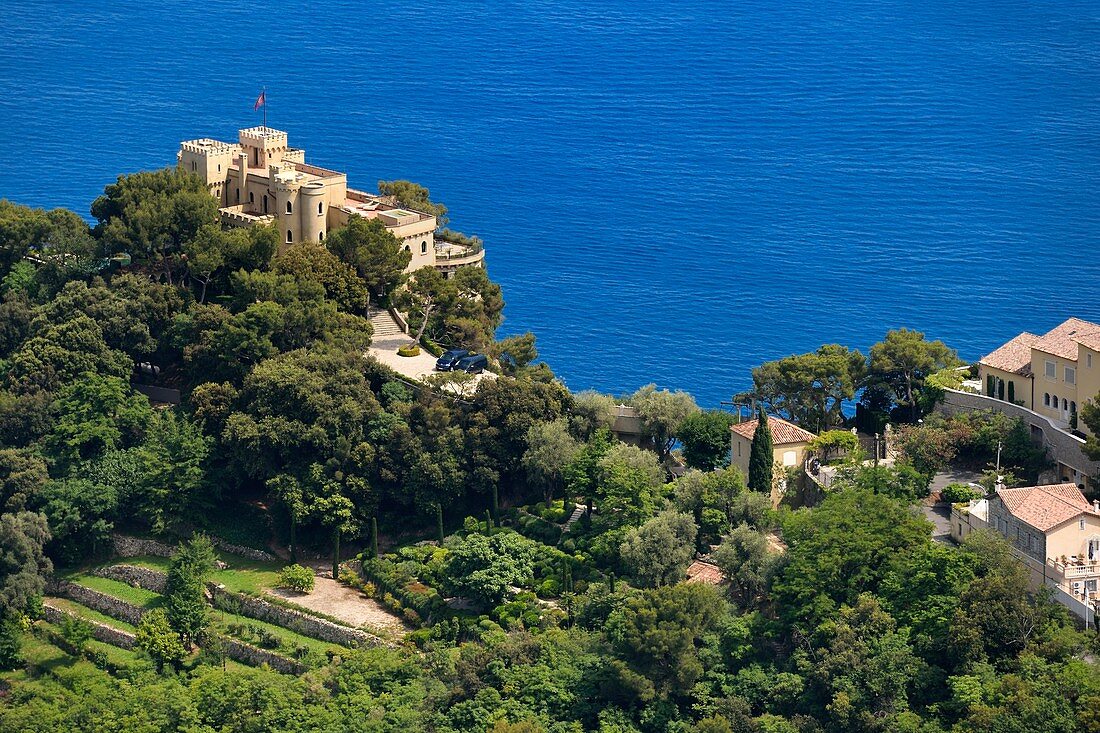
(264, 93)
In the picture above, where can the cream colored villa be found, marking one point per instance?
(788, 442)
(260, 180)
(1052, 374)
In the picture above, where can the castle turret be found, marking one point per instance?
(209, 160)
(314, 211)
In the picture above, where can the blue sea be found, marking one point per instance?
(670, 192)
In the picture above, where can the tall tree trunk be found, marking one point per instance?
(336, 554)
(293, 537)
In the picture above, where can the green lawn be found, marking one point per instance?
(288, 640)
(138, 596)
(242, 576)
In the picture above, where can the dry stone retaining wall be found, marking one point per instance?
(254, 655)
(302, 623)
(93, 599)
(135, 576)
(100, 632)
(136, 546)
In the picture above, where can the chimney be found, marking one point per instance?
(1096, 506)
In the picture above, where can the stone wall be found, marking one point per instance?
(135, 576)
(137, 546)
(297, 621)
(93, 599)
(1063, 446)
(124, 546)
(255, 656)
(100, 632)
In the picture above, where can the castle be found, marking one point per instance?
(260, 180)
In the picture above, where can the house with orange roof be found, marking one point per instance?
(789, 444)
(1055, 530)
(1052, 374)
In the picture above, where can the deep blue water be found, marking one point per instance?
(670, 192)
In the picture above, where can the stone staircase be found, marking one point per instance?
(386, 328)
(578, 512)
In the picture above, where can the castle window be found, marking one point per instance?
(238, 195)
(193, 166)
(251, 197)
(219, 167)
(289, 237)
(320, 236)
(289, 208)
(320, 208)
(423, 248)
(408, 248)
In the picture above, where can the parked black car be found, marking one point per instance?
(450, 359)
(473, 364)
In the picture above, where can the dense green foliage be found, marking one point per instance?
(841, 617)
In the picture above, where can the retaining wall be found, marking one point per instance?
(135, 576)
(302, 623)
(93, 599)
(254, 655)
(136, 546)
(100, 632)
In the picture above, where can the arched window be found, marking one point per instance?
(408, 248)
(1046, 399)
(1000, 389)
(320, 208)
(1072, 408)
(321, 237)
(289, 237)
(289, 208)
(423, 248)
(238, 195)
(251, 197)
(1065, 404)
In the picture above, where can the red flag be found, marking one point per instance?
(260, 100)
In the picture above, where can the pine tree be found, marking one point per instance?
(761, 456)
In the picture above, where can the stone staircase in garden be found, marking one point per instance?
(386, 328)
(578, 512)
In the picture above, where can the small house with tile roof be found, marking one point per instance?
(788, 442)
(1054, 528)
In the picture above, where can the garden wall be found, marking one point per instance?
(132, 575)
(93, 599)
(100, 632)
(302, 623)
(137, 546)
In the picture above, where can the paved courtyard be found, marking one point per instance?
(388, 338)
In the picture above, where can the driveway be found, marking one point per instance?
(939, 512)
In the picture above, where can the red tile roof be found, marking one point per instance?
(705, 572)
(783, 432)
(1062, 339)
(1015, 356)
(1044, 507)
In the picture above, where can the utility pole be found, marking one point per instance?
(1000, 479)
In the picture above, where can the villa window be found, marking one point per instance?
(1046, 399)
(423, 248)
(1065, 404)
(320, 208)
(408, 248)
(1081, 523)
(1071, 375)
(1072, 407)
(238, 195)
(251, 197)
(289, 236)
(1051, 371)
(1088, 360)
(1012, 392)
(289, 208)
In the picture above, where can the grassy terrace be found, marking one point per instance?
(244, 628)
(242, 575)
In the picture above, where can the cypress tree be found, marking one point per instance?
(761, 456)
(496, 505)
(439, 521)
(611, 582)
(488, 523)
(374, 536)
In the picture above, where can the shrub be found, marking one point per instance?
(410, 350)
(431, 346)
(297, 578)
(959, 493)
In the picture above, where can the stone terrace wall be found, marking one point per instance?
(135, 576)
(100, 632)
(254, 655)
(136, 546)
(302, 623)
(93, 599)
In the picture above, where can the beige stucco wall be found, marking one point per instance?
(788, 454)
(1069, 538)
(1088, 379)
(1055, 387)
(1021, 384)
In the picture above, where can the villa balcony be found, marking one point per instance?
(1076, 568)
(451, 255)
